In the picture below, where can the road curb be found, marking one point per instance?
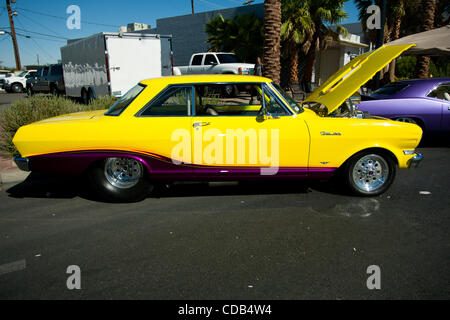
(12, 176)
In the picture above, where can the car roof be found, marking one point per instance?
(418, 87)
(216, 78)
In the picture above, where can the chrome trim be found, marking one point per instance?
(276, 94)
(415, 161)
(22, 163)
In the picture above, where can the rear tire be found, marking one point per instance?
(120, 180)
(54, 91)
(30, 91)
(369, 173)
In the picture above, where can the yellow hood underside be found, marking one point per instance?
(347, 80)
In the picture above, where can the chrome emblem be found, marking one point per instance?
(323, 133)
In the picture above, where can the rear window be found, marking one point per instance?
(121, 104)
(390, 89)
(227, 58)
(197, 60)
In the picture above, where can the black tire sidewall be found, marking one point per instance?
(348, 173)
(103, 188)
(17, 88)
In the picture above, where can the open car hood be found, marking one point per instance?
(347, 80)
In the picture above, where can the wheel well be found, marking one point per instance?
(16, 83)
(419, 121)
(100, 161)
(380, 150)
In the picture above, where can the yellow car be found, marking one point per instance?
(191, 128)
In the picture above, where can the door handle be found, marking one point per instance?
(201, 124)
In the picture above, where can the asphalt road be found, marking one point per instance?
(7, 98)
(251, 241)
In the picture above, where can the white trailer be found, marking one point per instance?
(112, 63)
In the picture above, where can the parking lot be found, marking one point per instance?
(246, 241)
(6, 99)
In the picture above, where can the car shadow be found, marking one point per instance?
(39, 185)
(435, 141)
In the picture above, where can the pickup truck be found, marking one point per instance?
(47, 79)
(215, 63)
(17, 83)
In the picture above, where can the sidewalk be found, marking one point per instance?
(9, 173)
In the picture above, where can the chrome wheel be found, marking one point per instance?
(370, 173)
(123, 173)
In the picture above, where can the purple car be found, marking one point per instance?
(425, 102)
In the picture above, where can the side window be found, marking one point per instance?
(175, 101)
(442, 92)
(228, 99)
(45, 72)
(197, 60)
(210, 59)
(273, 104)
(57, 70)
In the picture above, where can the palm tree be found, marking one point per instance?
(241, 35)
(272, 38)
(324, 14)
(294, 30)
(429, 10)
(397, 13)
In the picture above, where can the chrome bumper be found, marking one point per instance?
(415, 161)
(22, 163)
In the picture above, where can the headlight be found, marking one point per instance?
(409, 152)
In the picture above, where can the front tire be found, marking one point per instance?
(17, 88)
(120, 180)
(370, 173)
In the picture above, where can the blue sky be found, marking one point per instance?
(113, 13)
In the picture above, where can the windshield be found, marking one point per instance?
(22, 74)
(121, 104)
(390, 89)
(294, 105)
(227, 58)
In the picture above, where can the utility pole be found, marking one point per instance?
(13, 35)
(192, 5)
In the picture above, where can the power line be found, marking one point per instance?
(41, 25)
(212, 4)
(65, 18)
(38, 33)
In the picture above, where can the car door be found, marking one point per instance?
(209, 64)
(42, 83)
(233, 138)
(441, 95)
(196, 66)
(162, 130)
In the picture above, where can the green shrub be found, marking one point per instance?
(36, 108)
